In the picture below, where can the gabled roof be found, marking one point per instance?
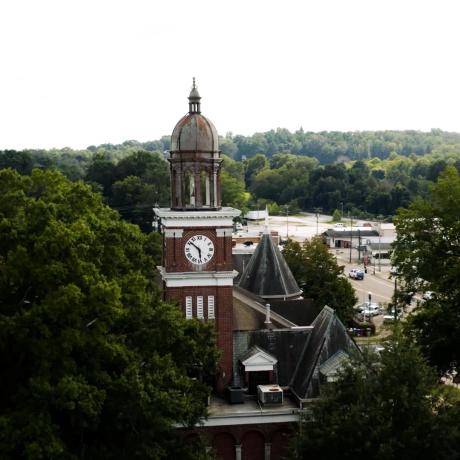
(257, 359)
(329, 336)
(267, 273)
(330, 367)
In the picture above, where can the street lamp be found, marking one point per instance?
(317, 211)
(379, 218)
(287, 221)
(351, 233)
(369, 295)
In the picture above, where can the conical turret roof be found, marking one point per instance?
(267, 273)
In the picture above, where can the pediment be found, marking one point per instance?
(259, 360)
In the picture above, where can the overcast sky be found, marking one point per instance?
(76, 73)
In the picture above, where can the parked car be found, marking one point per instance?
(366, 310)
(356, 274)
(389, 317)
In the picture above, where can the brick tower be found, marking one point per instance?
(197, 267)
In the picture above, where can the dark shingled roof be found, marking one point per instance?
(267, 273)
(300, 351)
(240, 262)
(328, 336)
(285, 345)
(298, 311)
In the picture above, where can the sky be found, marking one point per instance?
(80, 73)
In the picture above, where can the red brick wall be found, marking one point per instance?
(223, 309)
(253, 446)
(223, 446)
(252, 439)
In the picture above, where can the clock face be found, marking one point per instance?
(199, 249)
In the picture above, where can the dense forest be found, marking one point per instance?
(357, 173)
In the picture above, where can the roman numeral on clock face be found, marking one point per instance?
(199, 249)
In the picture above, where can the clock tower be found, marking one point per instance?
(197, 269)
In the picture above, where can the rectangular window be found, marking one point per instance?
(211, 307)
(188, 308)
(199, 307)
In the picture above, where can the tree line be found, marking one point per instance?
(133, 177)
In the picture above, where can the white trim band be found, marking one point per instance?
(173, 232)
(192, 279)
(224, 231)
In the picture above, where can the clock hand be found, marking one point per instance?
(199, 250)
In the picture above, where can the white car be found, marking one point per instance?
(367, 310)
(356, 274)
(389, 317)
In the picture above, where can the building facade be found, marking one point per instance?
(274, 358)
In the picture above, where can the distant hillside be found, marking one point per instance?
(326, 146)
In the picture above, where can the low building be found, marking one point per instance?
(344, 237)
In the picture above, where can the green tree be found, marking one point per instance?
(318, 274)
(94, 364)
(427, 254)
(337, 216)
(382, 408)
(232, 184)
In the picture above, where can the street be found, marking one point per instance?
(379, 285)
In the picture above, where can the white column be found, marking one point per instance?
(192, 189)
(214, 183)
(268, 450)
(208, 192)
(238, 451)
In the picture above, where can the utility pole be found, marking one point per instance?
(317, 211)
(369, 295)
(380, 233)
(359, 244)
(395, 296)
(351, 234)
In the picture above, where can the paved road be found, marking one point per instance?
(380, 287)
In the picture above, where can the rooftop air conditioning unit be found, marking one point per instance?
(270, 394)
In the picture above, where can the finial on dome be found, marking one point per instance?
(194, 99)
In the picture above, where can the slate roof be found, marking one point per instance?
(300, 351)
(267, 273)
(329, 335)
(301, 312)
(283, 344)
(330, 367)
(240, 262)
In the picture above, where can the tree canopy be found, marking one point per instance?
(320, 277)
(427, 255)
(94, 364)
(386, 407)
(363, 173)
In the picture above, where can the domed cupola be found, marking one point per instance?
(195, 160)
(194, 132)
